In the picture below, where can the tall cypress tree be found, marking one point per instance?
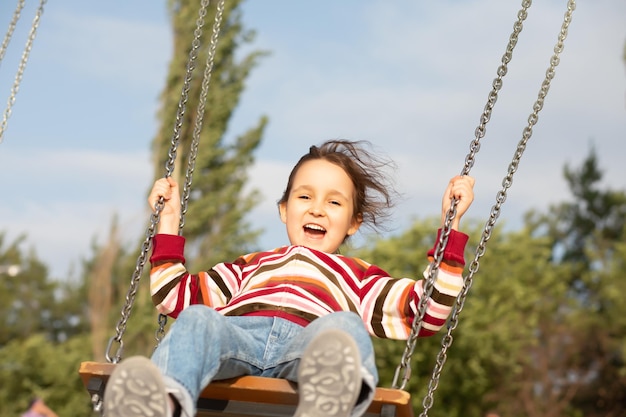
(215, 224)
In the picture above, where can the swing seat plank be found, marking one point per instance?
(251, 395)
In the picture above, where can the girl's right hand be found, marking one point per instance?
(166, 188)
(461, 188)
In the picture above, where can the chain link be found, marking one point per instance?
(495, 211)
(159, 334)
(25, 55)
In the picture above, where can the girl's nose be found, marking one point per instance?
(316, 209)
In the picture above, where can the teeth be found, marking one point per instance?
(315, 227)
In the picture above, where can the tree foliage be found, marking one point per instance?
(42, 335)
(215, 225)
(32, 303)
(587, 236)
(37, 367)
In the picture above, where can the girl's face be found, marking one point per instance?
(319, 212)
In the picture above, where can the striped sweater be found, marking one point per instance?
(301, 284)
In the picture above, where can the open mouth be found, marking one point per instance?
(314, 230)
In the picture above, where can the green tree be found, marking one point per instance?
(508, 347)
(591, 223)
(588, 234)
(29, 301)
(512, 293)
(604, 345)
(42, 334)
(215, 225)
(37, 367)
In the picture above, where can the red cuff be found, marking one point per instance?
(455, 248)
(168, 248)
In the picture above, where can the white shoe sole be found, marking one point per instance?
(135, 389)
(329, 376)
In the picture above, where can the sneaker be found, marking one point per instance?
(136, 389)
(329, 376)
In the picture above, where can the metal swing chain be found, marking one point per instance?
(495, 210)
(404, 368)
(120, 329)
(25, 55)
(193, 153)
(12, 25)
(191, 164)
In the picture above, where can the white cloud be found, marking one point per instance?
(66, 198)
(113, 49)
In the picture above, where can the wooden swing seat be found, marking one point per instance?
(251, 395)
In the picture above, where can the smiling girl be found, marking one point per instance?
(302, 312)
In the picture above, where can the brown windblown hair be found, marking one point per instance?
(375, 193)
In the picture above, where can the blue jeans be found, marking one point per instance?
(203, 345)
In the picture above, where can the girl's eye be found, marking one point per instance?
(335, 202)
(304, 197)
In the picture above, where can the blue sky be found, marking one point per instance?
(410, 76)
